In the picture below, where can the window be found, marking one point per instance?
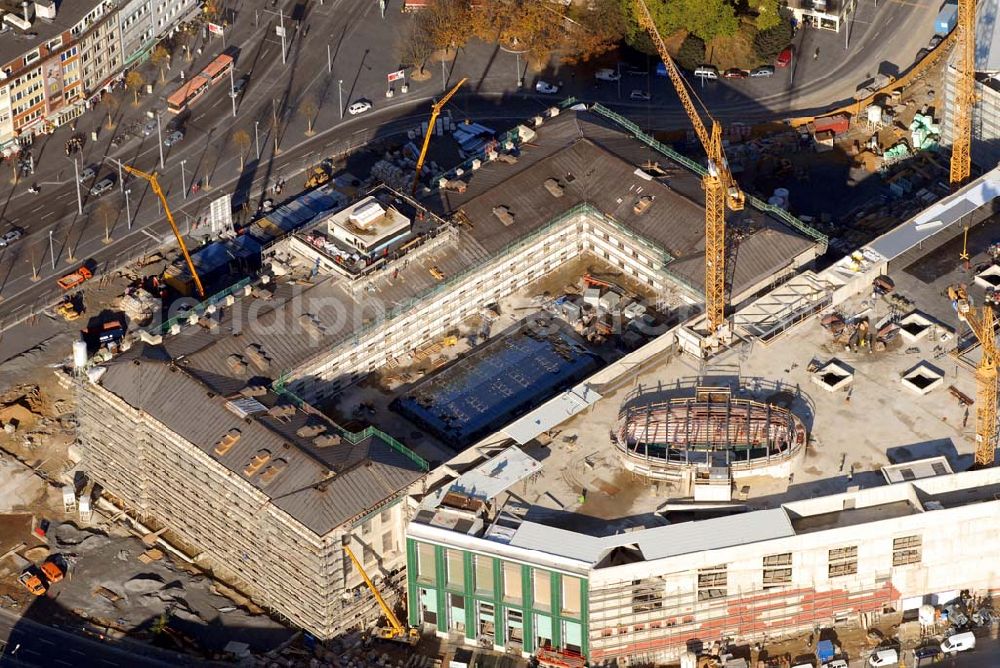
(541, 589)
(386, 516)
(712, 582)
(647, 595)
(571, 595)
(512, 590)
(777, 570)
(843, 561)
(425, 563)
(906, 550)
(368, 554)
(454, 563)
(388, 544)
(484, 574)
(515, 626)
(366, 528)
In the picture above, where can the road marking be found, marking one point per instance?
(61, 662)
(49, 215)
(110, 663)
(44, 641)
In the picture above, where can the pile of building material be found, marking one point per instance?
(924, 132)
(472, 138)
(139, 305)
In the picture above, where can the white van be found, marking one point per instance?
(607, 74)
(960, 642)
(707, 72)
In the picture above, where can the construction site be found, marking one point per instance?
(578, 399)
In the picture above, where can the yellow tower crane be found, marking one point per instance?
(395, 630)
(435, 112)
(158, 191)
(720, 187)
(982, 322)
(965, 93)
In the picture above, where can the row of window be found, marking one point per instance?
(511, 580)
(777, 568)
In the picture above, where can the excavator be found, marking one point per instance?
(395, 631)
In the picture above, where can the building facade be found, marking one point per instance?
(479, 573)
(80, 49)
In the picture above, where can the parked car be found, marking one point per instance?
(931, 652)
(935, 40)
(784, 58)
(173, 138)
(836, 663)
(960, 642)
(9, 237)
(886, 656)
(149, 128)
(735, 73)
(762, 71)
(103, 186)
(639, 95)
(607, 74)
(706, 72)
(546, 88)
(359, 107)
(636, 71)
(87, 173)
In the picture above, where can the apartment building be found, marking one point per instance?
(77, 50)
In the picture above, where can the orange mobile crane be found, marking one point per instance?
(158, 191)
(395, 630)
(965, 95)
(720, 187)
(435, 112)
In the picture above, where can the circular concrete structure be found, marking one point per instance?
(664, 438)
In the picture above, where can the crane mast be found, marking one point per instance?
(721, 189)
(965, 94)
(982, 322)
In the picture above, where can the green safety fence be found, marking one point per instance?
(697, 168)
(200, 308)
(282, 390)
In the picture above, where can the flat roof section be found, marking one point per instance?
(851, 516)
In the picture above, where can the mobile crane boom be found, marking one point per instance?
(435, 112)
(396, 630)
(158, 191)
(721, 189)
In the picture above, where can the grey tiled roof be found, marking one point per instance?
(321, 487)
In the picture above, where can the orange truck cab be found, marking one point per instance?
(32, 582)
(52, 571)
(74, 279)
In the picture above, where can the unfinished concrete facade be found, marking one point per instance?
(261, 492)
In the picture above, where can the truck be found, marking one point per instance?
(38, 579)
(75, 278)
(946, 19)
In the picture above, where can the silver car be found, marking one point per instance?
(101, 187)
(173, 138)
(9, 237)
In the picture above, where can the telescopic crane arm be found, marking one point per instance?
(435, 112)
(396, 630)
(721, 189)
(158, 191)
(982, 322)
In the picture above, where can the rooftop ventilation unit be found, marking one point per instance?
(554, 188)
(45, 9)
(311, 324)
(276, 467)
(326, 440)
(245, 406)
(282, 411)
(255, 353)
(237, 364)
(504, 215)
(310, 429)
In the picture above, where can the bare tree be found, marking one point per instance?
(108, 213)
(309, 109)
(241, 140)
(111, 103)
(134, 81)
(415, 48)
(160, 57)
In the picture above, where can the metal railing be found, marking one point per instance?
(700, 170)
(200, 308)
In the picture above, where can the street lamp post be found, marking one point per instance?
(79, 197)
(52, 251)
(121, 180)
(128, 211)
(232, 90)
(329, 60)
(159, 137)
(517, 69)
(340, 95)
(256, 137)
(184, 183)
(444, 81)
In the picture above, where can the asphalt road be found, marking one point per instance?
(27, 643)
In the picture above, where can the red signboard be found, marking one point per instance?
(396, 76)
(215, 28)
